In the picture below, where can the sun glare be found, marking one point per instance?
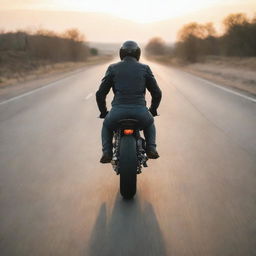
(142, 11)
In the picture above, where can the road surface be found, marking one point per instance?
(199, 198)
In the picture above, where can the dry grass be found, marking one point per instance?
(17, 69)
(235, 72)
(45, 75)
(238, 73)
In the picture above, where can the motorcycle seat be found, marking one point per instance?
(128, 123)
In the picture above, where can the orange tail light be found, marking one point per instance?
(128, 131)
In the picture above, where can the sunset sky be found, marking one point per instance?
(136, 11)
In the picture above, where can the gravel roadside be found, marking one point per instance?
(45, 76)
(234, 72)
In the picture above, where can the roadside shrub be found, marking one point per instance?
(47, 45)
(198, 40)
(94, 51)
(156, 46)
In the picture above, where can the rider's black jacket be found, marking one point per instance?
(129, 80)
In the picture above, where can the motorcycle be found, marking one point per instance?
(129, 155)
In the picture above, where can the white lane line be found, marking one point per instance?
(224, 88)
(29, 93)
(89, 96)
(42, 87)
(253, 99)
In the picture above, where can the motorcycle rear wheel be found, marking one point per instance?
(128, 166)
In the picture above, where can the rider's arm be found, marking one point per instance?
(154, 90)
(104, 88)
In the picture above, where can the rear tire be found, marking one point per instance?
(128, 166)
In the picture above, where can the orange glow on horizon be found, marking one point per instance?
(142, 11)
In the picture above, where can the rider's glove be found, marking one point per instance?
(103, 115)
(153, 111)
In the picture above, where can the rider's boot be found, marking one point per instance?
(152, 152)
(106, 157)
(150, 136)
(107, 137)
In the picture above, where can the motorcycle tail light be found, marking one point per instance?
(128, 131)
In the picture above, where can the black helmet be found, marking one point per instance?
(130, 48)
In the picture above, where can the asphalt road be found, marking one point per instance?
(199, 198)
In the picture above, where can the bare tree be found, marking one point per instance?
(232, 20)
(74, 34)
(156, 46)
(196, 30)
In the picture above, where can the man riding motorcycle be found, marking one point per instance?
(129, 80)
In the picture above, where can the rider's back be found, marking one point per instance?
(129, 81)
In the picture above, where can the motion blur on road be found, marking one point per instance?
(198, 198)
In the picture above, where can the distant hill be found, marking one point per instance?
(106, 48)
(99, 27)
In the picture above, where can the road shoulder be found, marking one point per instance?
(236, 74)
(36, 82)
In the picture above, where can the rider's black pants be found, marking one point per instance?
(139, 112)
